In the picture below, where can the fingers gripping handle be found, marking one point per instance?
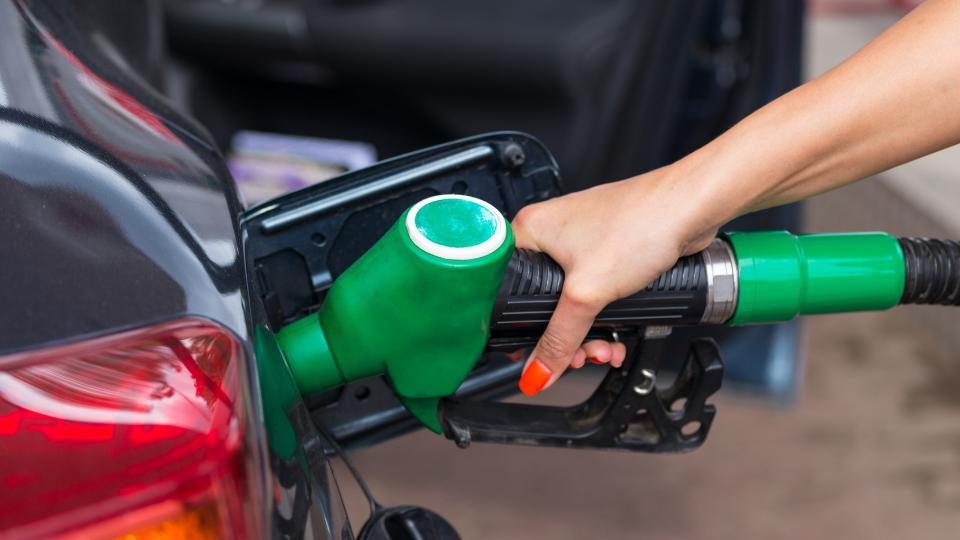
(698, 289)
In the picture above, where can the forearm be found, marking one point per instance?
(895, 100)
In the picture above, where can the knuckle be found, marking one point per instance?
(583, 295)
(524, 217)
(553, 346)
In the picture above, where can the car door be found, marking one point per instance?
(298, 244)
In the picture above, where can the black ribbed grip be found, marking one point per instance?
(932, 271)
(532, 283)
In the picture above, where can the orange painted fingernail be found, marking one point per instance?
(595, 360)
(534, 378)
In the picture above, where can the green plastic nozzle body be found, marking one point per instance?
(415, 307)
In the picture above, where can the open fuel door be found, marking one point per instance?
(296, 245)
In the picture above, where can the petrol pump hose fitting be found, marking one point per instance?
(745, 278)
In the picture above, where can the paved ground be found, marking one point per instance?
(870, 450)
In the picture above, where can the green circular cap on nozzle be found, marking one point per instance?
(456, 227)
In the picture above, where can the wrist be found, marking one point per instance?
(694, 195)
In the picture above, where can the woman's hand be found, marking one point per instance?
(893, 101)
(612, 241)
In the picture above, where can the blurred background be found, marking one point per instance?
(839, 427)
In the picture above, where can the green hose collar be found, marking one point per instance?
(782, 275)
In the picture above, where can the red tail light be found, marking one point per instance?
(139, 435)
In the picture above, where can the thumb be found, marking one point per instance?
(559, 344)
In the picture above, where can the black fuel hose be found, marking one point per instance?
(932, 271)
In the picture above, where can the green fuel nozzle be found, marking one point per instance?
(421, 305)
(415, 307)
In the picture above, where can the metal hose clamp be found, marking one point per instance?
(722, 282)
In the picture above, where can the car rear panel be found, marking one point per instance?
(118, 236)
(113, 214)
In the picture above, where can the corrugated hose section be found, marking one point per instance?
(932, 273)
